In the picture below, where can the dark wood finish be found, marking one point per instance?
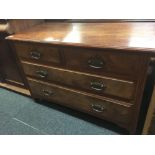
(9, 68)
(38, 53)
(78, 59)
(109, 86)
(19, 25)
(99, 20)
(82, 101)
(113, 52)
(134, 36)
(114, 62)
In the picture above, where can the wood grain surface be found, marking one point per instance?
(139, 36)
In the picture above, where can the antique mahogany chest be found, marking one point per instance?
(96, 68)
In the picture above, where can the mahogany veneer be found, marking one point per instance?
(88, 82)
(97, 68)
(100, 107)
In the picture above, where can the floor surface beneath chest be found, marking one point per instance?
(20, 115)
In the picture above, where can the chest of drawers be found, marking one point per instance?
(76, 66)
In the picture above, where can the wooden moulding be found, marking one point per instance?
(15, 89)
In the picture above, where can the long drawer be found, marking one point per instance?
(39, 53)
(95, 84)
(102, 61)
(118, 112)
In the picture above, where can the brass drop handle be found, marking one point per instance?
(35, 55)
(96, 62)
(41, 73)
(98, 107)
(47, 92)
(97, 86)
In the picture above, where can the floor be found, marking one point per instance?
(21, 115)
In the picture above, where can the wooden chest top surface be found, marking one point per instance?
(134, 36)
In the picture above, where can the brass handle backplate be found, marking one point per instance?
(42, 74)
(97, 86)
(47, 92)
(96, 62)
(98, 107)
(35, 55)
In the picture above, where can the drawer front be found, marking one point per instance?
(102, 62)
(87, 82)
(101, 108)
(38, 52)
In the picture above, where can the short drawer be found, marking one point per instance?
(38, 52)
(99, 107)
(95, 84)
(102, 61)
